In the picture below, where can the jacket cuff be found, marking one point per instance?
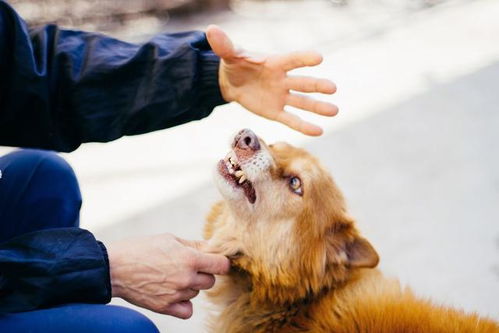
(108, 273)
(50, 267)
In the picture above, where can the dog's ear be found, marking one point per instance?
(361, 253)
(346, 247)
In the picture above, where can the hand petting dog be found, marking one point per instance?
(163, 272)
(262, 85)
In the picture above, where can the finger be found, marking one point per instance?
(300, 59)
(207, 262)
(182, 310)
(310, 85)
(220, 43)
(203, 281)
(185, 295)
(309, 104)
(298, 124)
(212, 263)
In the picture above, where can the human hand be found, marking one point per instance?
(262, 84)
(162, 273)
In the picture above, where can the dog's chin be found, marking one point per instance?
(230, 188)
(228, 192)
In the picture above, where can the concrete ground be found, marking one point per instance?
(415, 147)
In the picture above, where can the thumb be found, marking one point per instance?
(220, 43)
(200, 245)
(207, 262)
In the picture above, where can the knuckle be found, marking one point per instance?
(311, 104)
(191, 261)
(206, 282)
(185, 283)
(179, 296)
(315, 108)
(176, 297)
(190, 258)
(164, 307)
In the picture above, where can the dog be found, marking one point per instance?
(298, 262)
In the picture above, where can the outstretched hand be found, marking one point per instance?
(262, 85)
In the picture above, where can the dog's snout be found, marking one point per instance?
(247, 140)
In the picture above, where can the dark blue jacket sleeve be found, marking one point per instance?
(51, 267)
(60, 88)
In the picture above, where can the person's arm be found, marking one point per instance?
(50, 267)
(60, 88)
(68, 265)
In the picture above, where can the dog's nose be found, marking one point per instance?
(247, 140)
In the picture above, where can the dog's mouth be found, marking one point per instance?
(230, 169)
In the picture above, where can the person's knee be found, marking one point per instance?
(50, 175)
(39, 190)
(46, 164)
(29, 161)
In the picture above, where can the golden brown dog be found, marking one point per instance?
(299, 263)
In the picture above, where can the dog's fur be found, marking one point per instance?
(299, 263)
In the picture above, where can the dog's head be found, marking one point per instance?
(285, 221)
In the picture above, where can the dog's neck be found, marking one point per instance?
(261, 291)
(253, 308)
(368, 302)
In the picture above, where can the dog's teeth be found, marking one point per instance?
(242, 179)
(232, 161)
(239, 173)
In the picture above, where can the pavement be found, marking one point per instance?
(415, 147)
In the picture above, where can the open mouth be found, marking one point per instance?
(230, 169)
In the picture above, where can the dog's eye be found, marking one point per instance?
(295, 185)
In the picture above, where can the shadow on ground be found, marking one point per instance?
(422, 178)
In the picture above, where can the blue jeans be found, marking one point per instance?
(42, 192)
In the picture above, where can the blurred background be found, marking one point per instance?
(415, 147)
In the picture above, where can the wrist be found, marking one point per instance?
(223, 83)
(114, 271)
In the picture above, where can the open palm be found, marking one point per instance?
(262, 84)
